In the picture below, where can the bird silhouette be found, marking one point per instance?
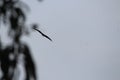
(35, 27)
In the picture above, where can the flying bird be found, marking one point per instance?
(35, 28)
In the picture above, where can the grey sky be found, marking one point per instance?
(86, 39)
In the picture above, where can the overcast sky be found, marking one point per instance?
(86, 39)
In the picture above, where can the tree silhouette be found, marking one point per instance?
(12, 12)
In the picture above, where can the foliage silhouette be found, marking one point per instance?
(12, 12)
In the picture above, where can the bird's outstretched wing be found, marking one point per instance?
(43, 34)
